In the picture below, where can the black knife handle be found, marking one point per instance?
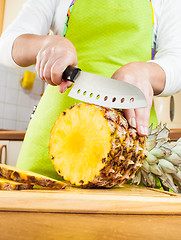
(70, 73)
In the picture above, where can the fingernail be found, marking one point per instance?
(65, 89)
(144, 130)
(133, 122)
(61, 90)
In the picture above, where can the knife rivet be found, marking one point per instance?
(78, 91)
(91, 95)
(84, 93)
(122, 100)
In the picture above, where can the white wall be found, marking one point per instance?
(16, 103)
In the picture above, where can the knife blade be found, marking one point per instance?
(103, 91)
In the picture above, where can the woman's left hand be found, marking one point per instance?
(141, 75)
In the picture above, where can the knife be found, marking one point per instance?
(103, 91)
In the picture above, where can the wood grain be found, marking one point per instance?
(175, 134)
(126, 200)
(54, 226)
(12, 135)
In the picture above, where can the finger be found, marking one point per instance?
(69, 58)
(42, 59)
(58, 69)
(52, 58)
(47, 71)
(142, 120)
(42, 66)
(64, 85)
(38, 62)
(69, 84)
(130, 116)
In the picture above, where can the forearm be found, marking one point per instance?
(157, 77)
(167, 43)
(26, 48)
(36, 18)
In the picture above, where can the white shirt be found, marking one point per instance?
(39, 16)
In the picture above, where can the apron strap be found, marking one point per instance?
(68, 16)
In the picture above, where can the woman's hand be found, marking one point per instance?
(55, 55)
(143, 76)
(51, 54)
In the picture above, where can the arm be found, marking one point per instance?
(35, 18)
(168, 44)
(25, 49)
(26, 42)
(52, 54)
(161, 76)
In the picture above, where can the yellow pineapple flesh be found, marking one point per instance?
(94, 147)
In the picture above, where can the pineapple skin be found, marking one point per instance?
(125, 157)
(8, 185)
(30, 178)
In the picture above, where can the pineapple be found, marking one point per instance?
(93, 147)
(6, 184)
(162, 163)
(29, 178)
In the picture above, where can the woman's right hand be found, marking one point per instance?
(56, 54)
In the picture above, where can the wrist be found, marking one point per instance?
(26, 48)
(157, 77)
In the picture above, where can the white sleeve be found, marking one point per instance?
(168, 44)
(35, 18)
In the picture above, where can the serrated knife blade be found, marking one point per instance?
(103, 91)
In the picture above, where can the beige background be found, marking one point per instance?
(162, 106)
(16, 103)
(2, 6)
(12, 7)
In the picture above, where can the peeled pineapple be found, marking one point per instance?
(94, 147)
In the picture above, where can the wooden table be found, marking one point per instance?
(12, 135)
(129, 212)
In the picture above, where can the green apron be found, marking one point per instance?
(106, 34)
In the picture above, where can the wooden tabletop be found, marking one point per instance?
(61, 226)
(128, 199)
(126, 213)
